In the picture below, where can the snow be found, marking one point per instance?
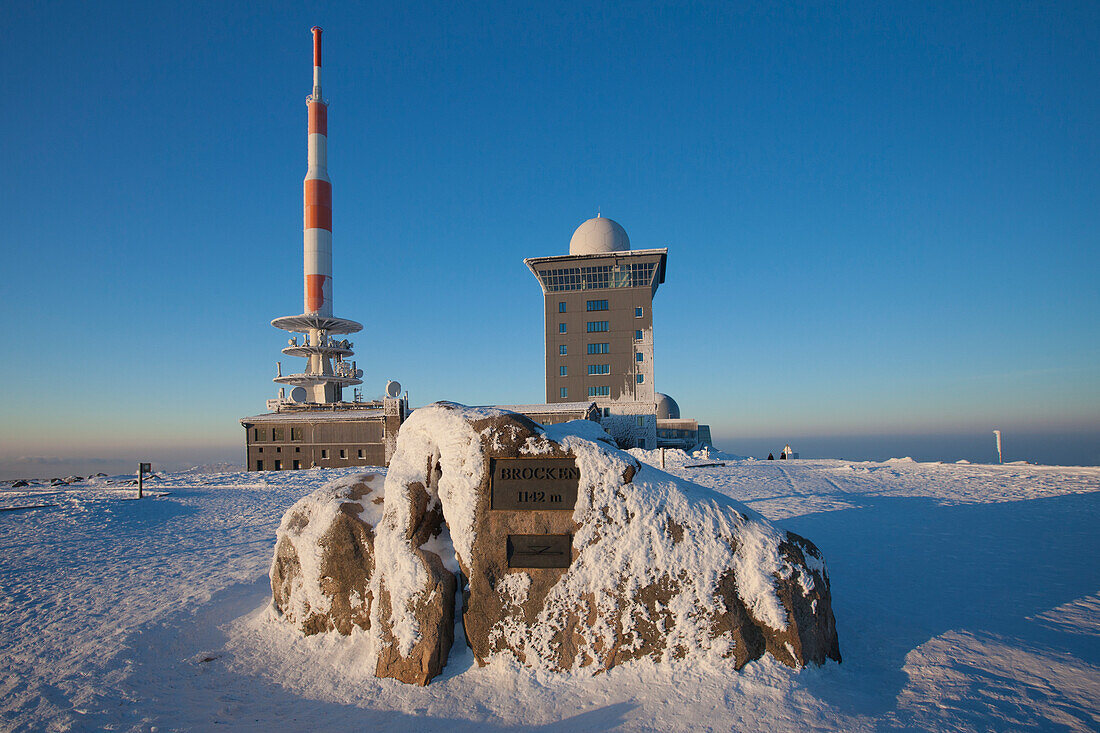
(967, 598)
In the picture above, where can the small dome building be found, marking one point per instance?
(667, 409)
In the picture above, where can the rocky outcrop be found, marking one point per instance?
(576, 555)
(658, 567)
(324, 556)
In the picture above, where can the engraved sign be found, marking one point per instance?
(540, 550)
(533, 483)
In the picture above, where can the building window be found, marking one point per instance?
(563, 393)
(260, 465)
(596, 326)
(297, 464)
(561, 306)
(278, 450)
(598, 277)
(259, 434)
(261, 450)
(295, 433)
(563, 350)
(343, 453)
(641, 443)
(639, 357)
(278, 434)
(360, 452)
(638, 311)
(297, 450)
(597, 305)
(561, 328)
(641, 379)
(563, 371)
(598, 348)
(324, 453)
(603, 391)
(599, 368)
(278, 465)
(637, 335)
(607, 412)
(641, 421)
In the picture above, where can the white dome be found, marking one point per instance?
(598, 236)
(667, 409)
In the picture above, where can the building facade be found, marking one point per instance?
(598, 322)
(362, 434)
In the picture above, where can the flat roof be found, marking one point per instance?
(663, 251)
(315, 416)
(546, 409)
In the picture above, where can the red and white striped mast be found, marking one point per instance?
(327, 371)
(318, 198)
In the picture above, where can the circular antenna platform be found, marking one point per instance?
(298, 394)
(393, 388)
(307, 322)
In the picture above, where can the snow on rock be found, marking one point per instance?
(324, 556)
(661, 569)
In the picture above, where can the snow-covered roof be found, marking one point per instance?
(314, 416)
(627, 253)
(546, 409)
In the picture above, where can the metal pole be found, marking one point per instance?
(141, 475)
(662, 458)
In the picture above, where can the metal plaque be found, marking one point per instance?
(533, 483)
(540, 550)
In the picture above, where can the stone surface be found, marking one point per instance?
(324, 556)
(660, 568)
(430, 609)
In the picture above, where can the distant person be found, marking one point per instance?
(782, 456)
(771, 457)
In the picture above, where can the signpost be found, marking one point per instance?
(143, 468)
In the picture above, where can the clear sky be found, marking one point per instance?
(883, 219)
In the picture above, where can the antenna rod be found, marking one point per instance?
(317, 191)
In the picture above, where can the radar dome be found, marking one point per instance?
(599, 236)
(667, 409)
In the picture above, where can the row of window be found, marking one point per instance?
(599, 305)
(324, 451)
(598, 277)
(593, 305)
(600, 391)
(600, 348)
(595, 327)
(297, 463)
(277, 434)
(563, 371)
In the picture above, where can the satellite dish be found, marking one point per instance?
(358, 373)
(298, 394)
(393, 388)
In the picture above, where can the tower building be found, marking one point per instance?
(598, 316)
(327, 369)
(316, 425)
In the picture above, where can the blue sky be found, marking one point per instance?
(882, 219)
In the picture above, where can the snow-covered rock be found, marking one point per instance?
(324, 556)
(661, 568)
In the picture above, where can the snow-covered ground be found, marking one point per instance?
(967, 597)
